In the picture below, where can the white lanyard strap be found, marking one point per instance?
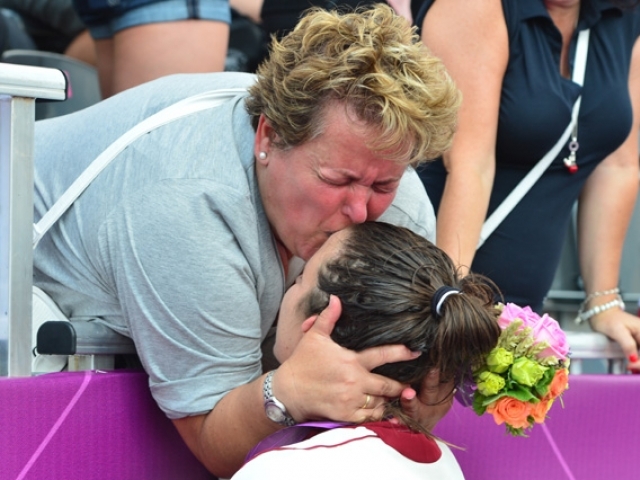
(187, 106)
(536, 172)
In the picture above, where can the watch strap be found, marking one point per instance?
(270, 401)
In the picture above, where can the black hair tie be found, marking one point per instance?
(439, 297)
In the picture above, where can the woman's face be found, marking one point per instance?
(292, 314)
(324, 185)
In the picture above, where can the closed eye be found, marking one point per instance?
(336, 182)
(385, 187)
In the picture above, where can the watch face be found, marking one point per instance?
(274, 413)
(274, 409)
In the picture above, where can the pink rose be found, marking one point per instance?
(544, 329)
(512, 312)
(548, 330)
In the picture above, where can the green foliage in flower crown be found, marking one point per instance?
(542, 387)
(516, 432)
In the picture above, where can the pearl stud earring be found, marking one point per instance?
(262, 155)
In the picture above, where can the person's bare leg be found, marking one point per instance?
(104, 61)
(249, 8)
(82, 48)
(152, 51)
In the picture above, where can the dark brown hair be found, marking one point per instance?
(385, 277)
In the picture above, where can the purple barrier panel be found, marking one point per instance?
(89, 425)
(592, 438)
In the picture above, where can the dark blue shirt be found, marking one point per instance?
(522, 254)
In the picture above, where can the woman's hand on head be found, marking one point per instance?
(322, 380)
(623, 328)
(432, 404)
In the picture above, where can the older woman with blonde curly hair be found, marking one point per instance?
(189, 239)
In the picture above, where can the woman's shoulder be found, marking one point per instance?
(172, 88)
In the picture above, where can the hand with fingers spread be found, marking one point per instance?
(322, 380)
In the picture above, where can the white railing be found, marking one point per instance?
(19, 87)
(595, 346)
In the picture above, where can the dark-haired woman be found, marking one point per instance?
(394, 287)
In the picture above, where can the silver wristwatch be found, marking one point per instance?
(274, 408)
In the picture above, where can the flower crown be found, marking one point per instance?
(524, 374)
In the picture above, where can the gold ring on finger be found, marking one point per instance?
(366, 402)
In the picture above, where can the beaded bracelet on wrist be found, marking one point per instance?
(592, 312)
(601, 293)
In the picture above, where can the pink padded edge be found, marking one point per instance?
(593, 437)
(88, 425)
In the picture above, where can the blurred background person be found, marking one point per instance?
(51, 26)
(146, 39)
(513, 62)
(278, 17)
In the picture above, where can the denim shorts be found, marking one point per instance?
(104, 18)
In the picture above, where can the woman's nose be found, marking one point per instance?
(357, 204)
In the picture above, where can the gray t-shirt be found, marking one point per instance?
(170, 244)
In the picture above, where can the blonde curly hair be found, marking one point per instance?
(372, 62)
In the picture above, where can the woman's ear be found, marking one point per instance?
(262, 143)
(308, 323)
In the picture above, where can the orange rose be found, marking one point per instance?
(510, 410)
(559, 383)
(539, 410)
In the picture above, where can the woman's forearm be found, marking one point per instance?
(607, 202)
(475, 50)
(605, 209)
(320, 380)
(222, 438)
(462, 212)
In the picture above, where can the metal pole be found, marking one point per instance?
(19, 86)
(16, 145)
